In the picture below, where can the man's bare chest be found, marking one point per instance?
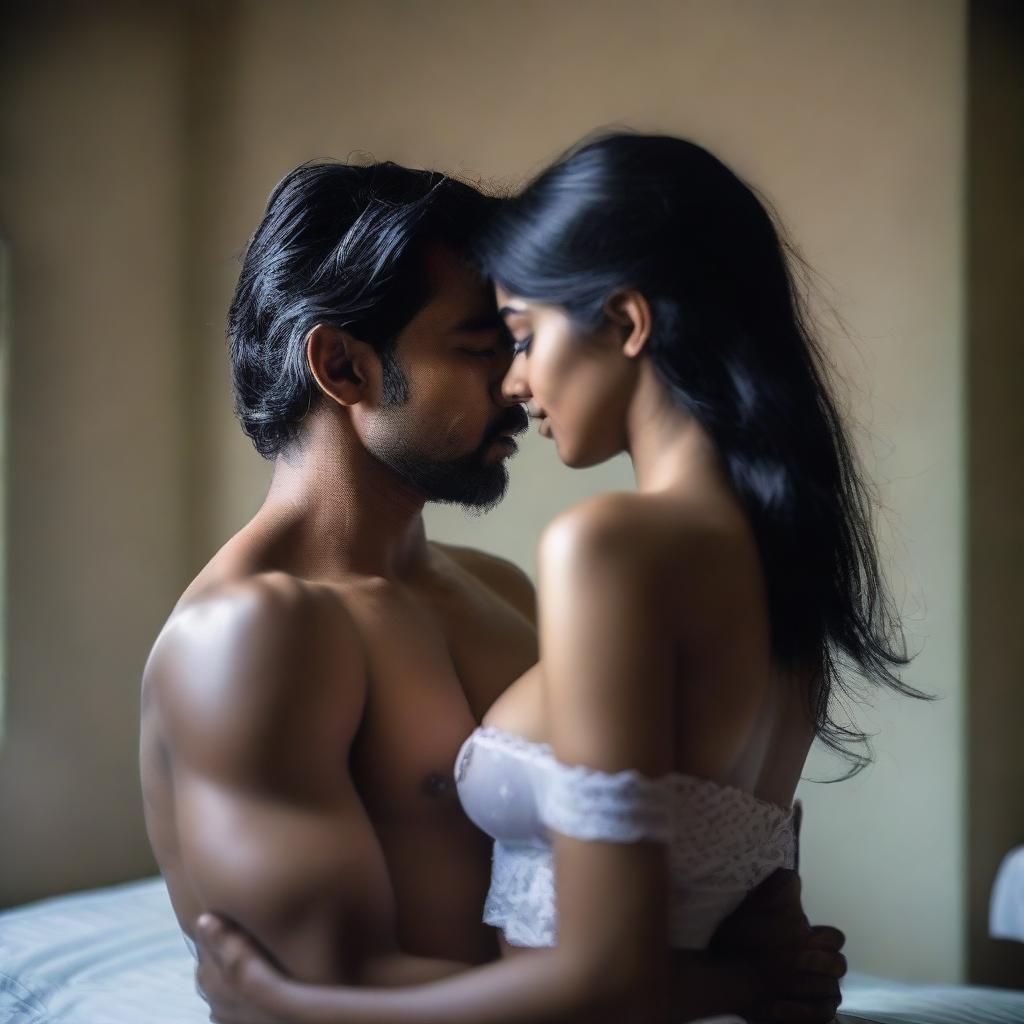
(435, 664)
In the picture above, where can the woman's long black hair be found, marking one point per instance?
(731, 339)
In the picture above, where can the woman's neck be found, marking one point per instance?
(669, 449)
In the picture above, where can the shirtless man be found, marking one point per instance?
(304, 704)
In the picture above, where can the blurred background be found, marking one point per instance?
(139, 143)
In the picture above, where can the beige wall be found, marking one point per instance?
(90, 195)
(849, 115)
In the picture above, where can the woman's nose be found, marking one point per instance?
(514, 387)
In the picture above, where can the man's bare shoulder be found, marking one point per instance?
(505, 578)
(245, 665)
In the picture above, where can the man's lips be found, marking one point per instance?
(518, 421)
(515, 423)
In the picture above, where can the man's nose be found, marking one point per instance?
(514, 387)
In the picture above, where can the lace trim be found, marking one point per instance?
(522, 902)
(623, 807)
(679, 782)
(521, 899)
(722, 841)
(530, 750)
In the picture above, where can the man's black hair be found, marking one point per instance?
(344, 245)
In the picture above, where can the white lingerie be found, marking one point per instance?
(722, 842)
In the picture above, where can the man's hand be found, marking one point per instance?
(798, 967)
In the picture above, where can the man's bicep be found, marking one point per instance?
(307, 879)
(261, 692)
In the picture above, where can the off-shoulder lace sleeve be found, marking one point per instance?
(621, 807)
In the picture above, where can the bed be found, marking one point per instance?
(115, 956)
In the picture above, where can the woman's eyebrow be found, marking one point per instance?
(510, 311)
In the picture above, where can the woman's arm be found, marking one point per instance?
(760, 971)
(535, 987)
(609, 672)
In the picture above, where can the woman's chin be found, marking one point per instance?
(576, 457)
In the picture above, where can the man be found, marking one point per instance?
(304, 704)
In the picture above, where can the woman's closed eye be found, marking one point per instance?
(520, 345)
(481, 353)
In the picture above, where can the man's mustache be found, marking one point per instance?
(514, 421)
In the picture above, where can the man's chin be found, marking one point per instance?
(469, 482)
(479, 491)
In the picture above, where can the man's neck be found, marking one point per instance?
(339, 510)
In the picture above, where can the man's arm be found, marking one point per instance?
(261, 689)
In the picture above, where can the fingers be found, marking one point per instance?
(821, 961)
(224, 946)
(209, 928)
(763, 933)
(230, 951)
(814, 986)
(824, 936)
(211, 984)
(207, 933)
(811, 992)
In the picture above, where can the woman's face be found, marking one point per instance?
(578, 384)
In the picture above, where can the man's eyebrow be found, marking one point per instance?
(480, 322)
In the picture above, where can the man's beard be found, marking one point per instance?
(468, 480)
(465, 481)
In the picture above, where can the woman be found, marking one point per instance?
(690, 632)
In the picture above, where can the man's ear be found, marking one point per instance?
(342, 365)
(631, 313)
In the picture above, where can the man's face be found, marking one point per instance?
(452, 433)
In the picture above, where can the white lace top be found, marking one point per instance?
(722, 841)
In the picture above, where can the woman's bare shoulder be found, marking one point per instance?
(643, 532)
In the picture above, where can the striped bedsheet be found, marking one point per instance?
(116, 956)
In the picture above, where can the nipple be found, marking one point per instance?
(437, 784)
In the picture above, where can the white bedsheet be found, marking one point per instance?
(107, 956)
(115, 956)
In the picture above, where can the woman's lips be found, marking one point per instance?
(545, 427)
